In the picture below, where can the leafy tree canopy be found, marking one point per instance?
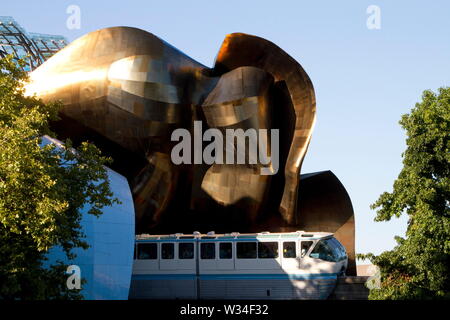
(42, 192)
(419, 266)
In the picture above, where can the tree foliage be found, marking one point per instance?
(419, 266)
(42, 192)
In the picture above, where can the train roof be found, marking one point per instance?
(236, 235)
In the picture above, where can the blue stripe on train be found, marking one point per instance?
(322, 276)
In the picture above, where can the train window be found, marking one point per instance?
(338, 248)
(225, 250)
(246, 250)
(167, 251)
(304, 247)
(186, 251)
(208, 250)
(324, 251)
(289, 250)
(267, 250)
(147, 251)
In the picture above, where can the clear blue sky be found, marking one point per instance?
(364, 79)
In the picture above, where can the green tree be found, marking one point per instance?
(42, 192)
(419, 265)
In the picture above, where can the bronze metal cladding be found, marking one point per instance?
(240, 49)
(127, 90)
(324, 204)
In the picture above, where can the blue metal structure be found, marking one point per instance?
(107, 264)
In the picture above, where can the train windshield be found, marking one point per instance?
(329, 250)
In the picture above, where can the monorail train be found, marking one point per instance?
(295, 265)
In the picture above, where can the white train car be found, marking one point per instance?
(295, 265)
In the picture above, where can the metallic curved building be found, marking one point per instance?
(128, 90)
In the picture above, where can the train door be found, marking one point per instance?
(208, 256)
(304, 248)
(268, 255)
(226, 255)
(290, 258)
(187, 257)
(167, 259)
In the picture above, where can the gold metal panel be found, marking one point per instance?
(239, 49)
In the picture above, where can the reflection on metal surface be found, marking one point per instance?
(127, 90)
(243, 50)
